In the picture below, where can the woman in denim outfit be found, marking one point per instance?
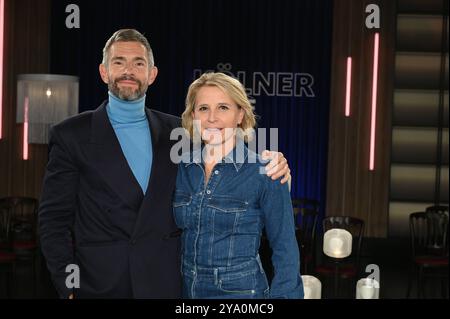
(223, 200)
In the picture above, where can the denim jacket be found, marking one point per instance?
(223, 221)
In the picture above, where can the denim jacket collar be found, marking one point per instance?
(237, 156)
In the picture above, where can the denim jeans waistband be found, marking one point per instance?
(225, 273)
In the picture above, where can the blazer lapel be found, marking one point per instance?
(163, 173)
(110, 160)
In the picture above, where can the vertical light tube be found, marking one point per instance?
(2, 39)
(348, 87)
(373, 120)
(25, 129)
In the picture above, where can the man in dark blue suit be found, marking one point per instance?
(106, 204)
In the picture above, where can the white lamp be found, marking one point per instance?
(43, 100)
(312, 287)
(337, 243)
(367, 288)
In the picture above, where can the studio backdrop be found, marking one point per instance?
(280, 50)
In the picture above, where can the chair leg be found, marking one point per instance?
(420, 283)
(410, 280)
(350, 288)
(33, 265)
(354, 281)
(336, 280)
(34, 277)
(10, 282)
(444, 283)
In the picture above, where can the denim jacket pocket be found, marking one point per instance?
(181, 202)
(227, 204)
(226, 212)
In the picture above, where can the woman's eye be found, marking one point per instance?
(202, 108)
(223, 107)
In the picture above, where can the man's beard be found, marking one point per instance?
(127, 93)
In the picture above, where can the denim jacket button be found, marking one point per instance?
(216, 172)
(208, 192)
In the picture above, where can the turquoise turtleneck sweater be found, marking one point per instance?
(132, 129)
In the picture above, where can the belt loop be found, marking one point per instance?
(216, 276)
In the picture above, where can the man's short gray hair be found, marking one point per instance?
(128, 35)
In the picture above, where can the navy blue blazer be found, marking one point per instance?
(94, 214)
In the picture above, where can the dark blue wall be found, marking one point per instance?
(285, 44)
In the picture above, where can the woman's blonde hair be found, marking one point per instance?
(228, 85)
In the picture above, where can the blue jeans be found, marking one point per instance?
(243, 281)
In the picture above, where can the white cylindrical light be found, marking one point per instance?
(337, 243)
(367, 288)
(312, 287)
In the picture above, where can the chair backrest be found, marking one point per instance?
(5, 225)
(306, 213)
(438, 231)
(437, 208)
(429, 233)
(22, 213)
(305, 203)
(353, 225)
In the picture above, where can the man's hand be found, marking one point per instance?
(277, 166)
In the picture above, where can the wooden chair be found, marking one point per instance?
(23, 230)
(7, 256)
(429, 249)
(306, 213)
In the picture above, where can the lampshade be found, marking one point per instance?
(337, 243)
(367, 288)
(312, 287)
(43, 100)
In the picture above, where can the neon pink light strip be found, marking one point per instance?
(2, 37)
(373, 120)
(25, 130)
(348, 87)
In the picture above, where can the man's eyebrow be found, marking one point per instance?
(140, 59)
(123, 58)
